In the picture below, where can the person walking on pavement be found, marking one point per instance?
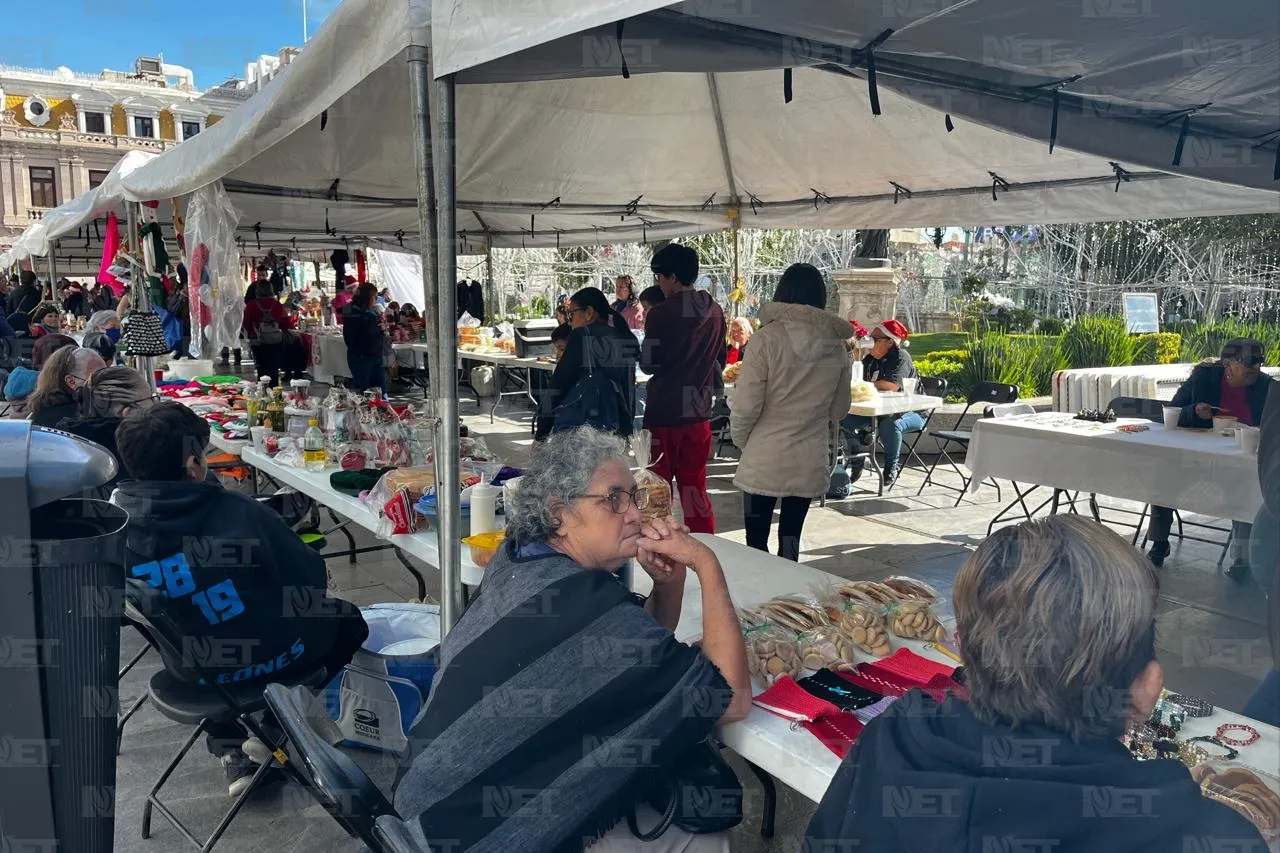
(684, 353)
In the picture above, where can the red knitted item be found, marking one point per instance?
(910, 666)
(792, 702)
(836, 731)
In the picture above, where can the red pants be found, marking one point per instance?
(680, 453)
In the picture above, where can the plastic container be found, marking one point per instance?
(484, 546)
(1225, 424)
(426, 507)
(1171, 416)
(314, 456)
(1248, 439)
(484, 508)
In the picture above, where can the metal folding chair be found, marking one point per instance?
(986, 394)
(930, 387)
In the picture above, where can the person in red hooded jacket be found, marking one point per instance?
(265, 325)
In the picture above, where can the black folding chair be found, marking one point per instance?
(929, 386)
(188, 693)
(984, 394)
(337, 783)
(394, 837)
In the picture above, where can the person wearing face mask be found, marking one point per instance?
(45, 320)
(111, 394)
(58, 388)
(107, 322)
(1232, 386)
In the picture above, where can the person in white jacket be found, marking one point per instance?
(788, 398)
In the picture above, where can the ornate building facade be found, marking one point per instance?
(62, 131)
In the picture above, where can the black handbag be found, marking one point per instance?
(144, 334)
(701, 795)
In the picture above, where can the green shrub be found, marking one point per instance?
(1028, 361)
(947, 354)
(1205, 340)
(1157, 348)
(1051, 326)
(942, 368)
(927, 343)
(1098, 341)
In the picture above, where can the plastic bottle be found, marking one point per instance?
(275, 412)
(313, 453)
(251, 405)
(484, 508)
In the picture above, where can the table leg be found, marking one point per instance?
(342, 525)
(498, 380)
(417, 576)
(770, 800)
(875, 439)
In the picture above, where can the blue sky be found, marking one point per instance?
(214, 38)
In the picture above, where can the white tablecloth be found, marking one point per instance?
(796, 757)
(315, 484)
(1194, 470)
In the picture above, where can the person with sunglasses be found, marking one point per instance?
(556, 659)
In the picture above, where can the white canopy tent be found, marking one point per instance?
(590, 121)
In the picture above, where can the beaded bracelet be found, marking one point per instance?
(1195, 707)
(1231, 755)
(1253, 734)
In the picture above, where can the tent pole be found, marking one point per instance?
(494, 309)
(53, 273)
(444, 371)
(420, 91)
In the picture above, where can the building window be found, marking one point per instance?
(144, 127)
(190, 129)
(44, 192)
(96, 177)
(95, 123)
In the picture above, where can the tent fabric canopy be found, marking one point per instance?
(1168, 85)
(564, 150)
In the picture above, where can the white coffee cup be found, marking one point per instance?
(1248, 438)
(259, 435)
(1171, 416)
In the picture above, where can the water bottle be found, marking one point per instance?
(313, 453)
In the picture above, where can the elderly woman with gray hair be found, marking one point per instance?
(561, 684)
(1056, 619)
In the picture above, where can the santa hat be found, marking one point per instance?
(859, 330)
(894, 331)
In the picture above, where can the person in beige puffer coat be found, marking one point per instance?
(792, 390)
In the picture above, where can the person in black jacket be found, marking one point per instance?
(110, 395)
(365, 340)
(1056, 618)
(233, 573)
(27, 296)
(1233, 386)
(599, 334)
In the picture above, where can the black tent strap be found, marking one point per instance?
(626, 72)
(997, 183)
(873, 93)
(324, 120)
(333, 189)
(899, 190)
(1053, 122)
(710, 199)
(257, 231)
(786, 86)
(1182, 140)
(756, 203)
(1122, 174)
(948, 123)
(632, 206)
(399, 235)
(555, 202)
(819, 197)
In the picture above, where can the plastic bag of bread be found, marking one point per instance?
(660, 504)
(912, 589)
(1253, 794)
(794, 612)
(827, 647)
(871, 593)
(417, 481)
(914, 620)
(771, 651)
(862, 622)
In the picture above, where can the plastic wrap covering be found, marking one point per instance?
(215, 282)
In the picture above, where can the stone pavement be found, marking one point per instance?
(1212, 642)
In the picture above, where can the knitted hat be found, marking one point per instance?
(894, 331)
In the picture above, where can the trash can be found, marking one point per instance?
(62, 569)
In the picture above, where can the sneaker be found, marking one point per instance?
(258, 752)
(890, 475)
(1158, 552)
(1239, 571)
(240, 772)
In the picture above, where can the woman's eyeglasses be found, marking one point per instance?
(621, 499)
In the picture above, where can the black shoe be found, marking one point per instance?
(890, 474)
(1239, 571)
(1158, 552)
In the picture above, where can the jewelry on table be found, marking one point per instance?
(1253, 734)
(1231, 755)
(1194, 706)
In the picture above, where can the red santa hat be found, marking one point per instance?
(859, 330)
(894, 331)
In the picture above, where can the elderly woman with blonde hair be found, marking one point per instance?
(1056, 620)
(557, 666)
